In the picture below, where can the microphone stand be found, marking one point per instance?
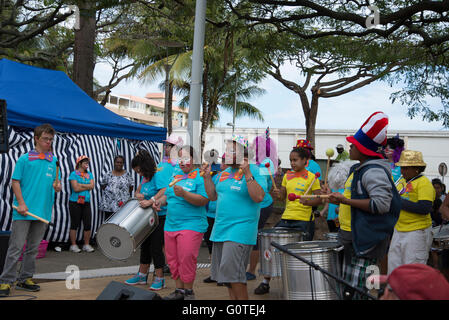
(317, 267)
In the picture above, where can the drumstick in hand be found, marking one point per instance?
(174, 182)
(267, 165)
(36, 217)
(317, 175)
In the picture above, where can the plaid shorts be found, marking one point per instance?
(355, 273)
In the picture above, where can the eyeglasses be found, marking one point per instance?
(184, 160)
(46, 139)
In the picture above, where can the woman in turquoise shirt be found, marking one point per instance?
(239, 192)
(81, 182)
(185, 224)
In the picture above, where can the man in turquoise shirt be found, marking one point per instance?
(34, 183)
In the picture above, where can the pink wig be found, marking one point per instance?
(263, 148)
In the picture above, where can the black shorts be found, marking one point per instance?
(80, 212)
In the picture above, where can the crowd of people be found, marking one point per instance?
(376, 197)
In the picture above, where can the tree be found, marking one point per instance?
(326, 66)
(24, 26)
(419, 27)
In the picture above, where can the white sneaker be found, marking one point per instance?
(75, 248)
(88, 248)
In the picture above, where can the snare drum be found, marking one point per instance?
(440, 237)
(124, 232)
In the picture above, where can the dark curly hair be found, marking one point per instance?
(145, 162)
(302, 152)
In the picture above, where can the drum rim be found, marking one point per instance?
(333, 245)
(290, 232)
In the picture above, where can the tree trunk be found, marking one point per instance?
(311, 121)
(170, 108)
(83, 53)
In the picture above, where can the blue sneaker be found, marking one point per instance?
(250, 276)
(158, 284)
(137, 279)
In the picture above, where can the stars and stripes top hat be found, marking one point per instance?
(372, 136)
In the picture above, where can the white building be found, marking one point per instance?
(433, 144)
(148, 110)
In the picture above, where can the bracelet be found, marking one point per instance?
(152, 198)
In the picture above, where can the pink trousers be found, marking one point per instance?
(181, 251)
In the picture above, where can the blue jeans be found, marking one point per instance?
(31, 231)
(308, 227)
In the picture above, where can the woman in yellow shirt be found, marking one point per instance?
(412, 237)
(298, 214)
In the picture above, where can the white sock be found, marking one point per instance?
(266, 281)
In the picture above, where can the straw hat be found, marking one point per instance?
(410, 158)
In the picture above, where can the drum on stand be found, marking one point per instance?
(124, 232)
(301, 281)
(269, 256)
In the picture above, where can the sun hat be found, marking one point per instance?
(239, 139)
(175, 140)
(81, 158)
(410, 158)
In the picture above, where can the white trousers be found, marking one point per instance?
(409, 247)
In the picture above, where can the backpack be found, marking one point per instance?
(370, 229)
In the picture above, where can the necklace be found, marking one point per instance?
(414, 178)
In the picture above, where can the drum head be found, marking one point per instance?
(115, 242)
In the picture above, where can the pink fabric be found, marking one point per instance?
(181, 250)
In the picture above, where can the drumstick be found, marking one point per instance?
(329, 154)
(293, 197)
(267, 165)
(317, 175)
(57, 171)
(174, 182)
(37, 217)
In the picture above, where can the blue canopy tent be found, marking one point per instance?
(35, 96)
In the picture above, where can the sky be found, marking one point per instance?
(281, 107)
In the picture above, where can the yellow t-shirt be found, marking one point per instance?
(298, 183)
(416, 190)
(344, 215)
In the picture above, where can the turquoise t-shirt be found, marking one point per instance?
(162, 178)
(314, 167)
(396, 172)
(237, 214)
(81, 180)
(181, 215)
(331, 213)
(36, 182)
(267, 200)
(212, 206)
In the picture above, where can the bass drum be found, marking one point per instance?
(124, 232)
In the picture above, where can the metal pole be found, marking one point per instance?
(235, 103)
(197, 72)
(167, 72)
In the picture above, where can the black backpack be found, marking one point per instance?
(370, 229)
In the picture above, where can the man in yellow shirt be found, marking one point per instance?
(412, 237)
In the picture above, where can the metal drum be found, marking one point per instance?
(301, 281)
(121, 235)
(440, 237)
(331, 236)
(270, 256)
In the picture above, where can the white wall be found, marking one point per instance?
(433, 144)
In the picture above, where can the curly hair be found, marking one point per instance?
(145, 162)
